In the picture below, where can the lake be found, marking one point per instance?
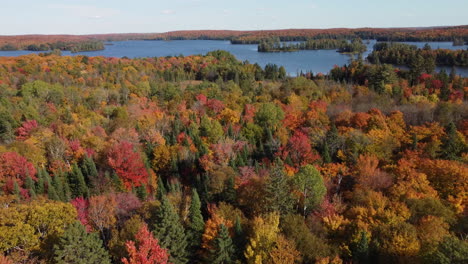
(294, 62)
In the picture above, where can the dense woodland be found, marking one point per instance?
(410, 55)
(342, 45)
(206, 159)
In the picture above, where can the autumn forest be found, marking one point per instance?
(209, 159)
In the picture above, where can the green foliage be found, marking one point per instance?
(278, 194)
(77, 182)
(309, 183)
(170, 232)
(77, 246)
(223, 248)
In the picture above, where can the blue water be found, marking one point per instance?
(294, 62)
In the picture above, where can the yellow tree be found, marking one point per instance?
(262, 240)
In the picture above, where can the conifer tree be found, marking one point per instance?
(278, 195)
(196, 224)
(16, 190)
(58, 186)
(452, 145)
(223, 248)
(171, 233)
(40, 182)
(89, 170)
(161, 189)
(239, 239)
(229, 194)
(77, 183)
(51, 192)
(77, 246)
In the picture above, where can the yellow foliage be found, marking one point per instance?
(262, 240)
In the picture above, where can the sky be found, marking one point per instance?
(149, 16)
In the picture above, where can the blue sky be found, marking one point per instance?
(119, 16)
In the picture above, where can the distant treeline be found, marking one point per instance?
(458, 34)
(70, 46)
(404, 54)
(342, 45)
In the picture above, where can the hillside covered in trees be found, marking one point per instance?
(207, 159)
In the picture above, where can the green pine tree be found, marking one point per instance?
(229, 194)
(90, 173)
(77, 183)
(239, 239)
(161, 191)
(278, 192)
(452, 144)
(171, 233)
(77, 246)
(16, 190)
(58, 186)
(40, 182)
(223, 248)
(141, 192)
(196, 224)
(29, 184)
(361, 249)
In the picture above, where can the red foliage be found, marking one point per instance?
(128, 164)
(148, 252)
(81, 206)
(201, 98)
(424, 77)
(25, 130)
(436, 84)
(299, 149)
(14, 167)
(249, 113)
(215, 105)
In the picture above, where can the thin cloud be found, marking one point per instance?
(168, 12)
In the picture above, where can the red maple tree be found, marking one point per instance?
(148, 252)
(128, 164)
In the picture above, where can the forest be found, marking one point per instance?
(341, 45)
(208, 159)
(410, 55)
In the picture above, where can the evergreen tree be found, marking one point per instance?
(77, 183)
(116, 182)
(90, 173)
(196, 224)
(40, 182)
(326, 153)
(229, 194)
(361, 249)
(170, 232)
(141, 192)
(278, 195)
(223, 249)
(239, 239)
(77, 246)
(452, 144)
(29, 184)
(161, 191)
(58, 186)
(16, 190)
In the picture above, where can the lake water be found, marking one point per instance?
(294, 62)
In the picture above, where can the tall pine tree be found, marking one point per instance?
(171, 233)
(278, 192)
(77, 183)
(77, 246)
(223, 248)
